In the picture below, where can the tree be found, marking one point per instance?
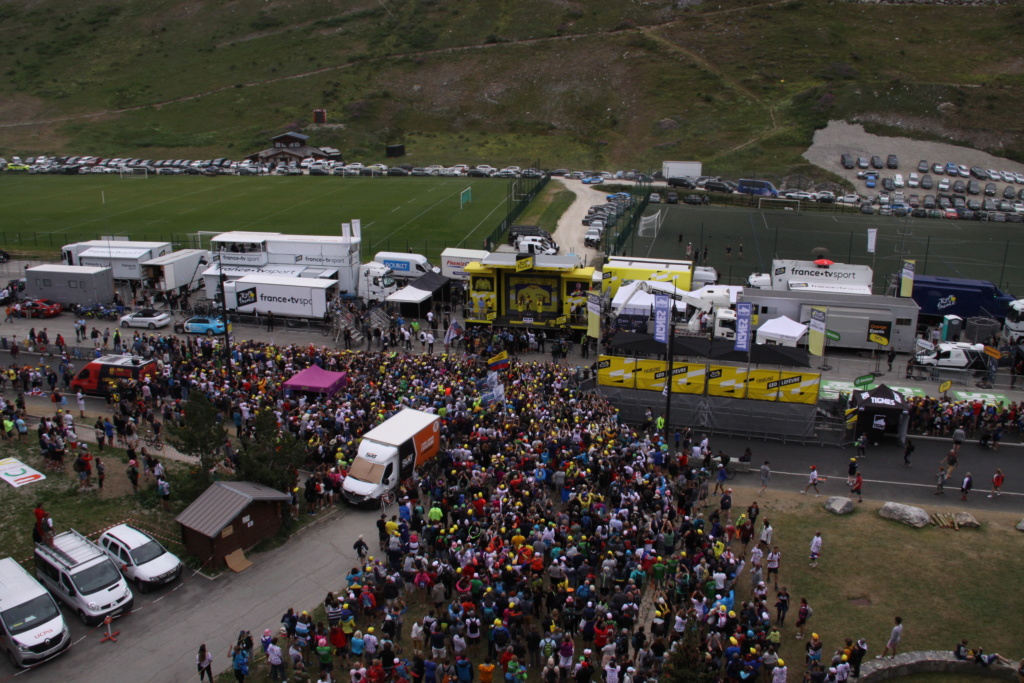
(270, 458)
(685, 663)
(201, 435)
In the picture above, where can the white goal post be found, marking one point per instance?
(650, 225)
(784, 204)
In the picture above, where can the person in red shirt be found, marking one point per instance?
(858, 483)
(997, 483)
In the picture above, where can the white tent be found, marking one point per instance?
(782, 331)
(642, 303)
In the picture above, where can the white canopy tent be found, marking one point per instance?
(782, 331)
(409, 295)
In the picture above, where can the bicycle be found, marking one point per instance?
(386, 500)
(153, 441)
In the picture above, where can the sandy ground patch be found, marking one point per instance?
(570, 231)
(840, 137)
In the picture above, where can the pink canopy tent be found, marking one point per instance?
(317, 380)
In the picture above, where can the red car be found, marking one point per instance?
(41, 308)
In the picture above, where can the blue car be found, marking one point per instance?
(200, 325)
(871, 180)
(594, 180)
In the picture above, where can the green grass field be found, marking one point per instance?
(946, 248)
(398, 214)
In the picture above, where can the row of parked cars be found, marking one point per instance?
(90, 578)
(73, 165)
(600, 217)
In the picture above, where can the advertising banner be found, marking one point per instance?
(743, 312)
(650, 375)
(763, 385)
(872, 239)
(662, 305)
(816, 331)
(798, 387)
(907, 278)
(616, 371)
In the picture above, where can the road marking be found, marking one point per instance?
(896, 483)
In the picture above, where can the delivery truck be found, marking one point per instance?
(454, 261)
(181, 271)
(285, 297)
(682, 169)
(406, 266)
(392, 453)
(942, 296)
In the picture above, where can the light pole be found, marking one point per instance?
(224, 313)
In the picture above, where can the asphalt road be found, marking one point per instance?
(159, 640)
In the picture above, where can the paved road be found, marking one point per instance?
(158, 642)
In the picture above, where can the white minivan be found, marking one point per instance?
(31, 626)
(81, 576)
(142, 559)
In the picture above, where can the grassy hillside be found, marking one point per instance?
(601, 84)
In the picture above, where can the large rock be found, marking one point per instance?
(839, 505)
(966, 519)
(907, 514)
(1020, 525)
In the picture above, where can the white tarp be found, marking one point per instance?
(17, 473)
(782, 331)
(410, 295)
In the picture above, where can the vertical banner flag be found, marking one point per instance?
(872, 236)
(662, 303)
(816, 335)
(594, 303)
(907, 278)
(743, 311)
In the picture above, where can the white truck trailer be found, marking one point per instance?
(123, 257)
(180, 271)
(285, 297)
(454, 261)
(682, 169)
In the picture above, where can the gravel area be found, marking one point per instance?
(840, 137)
(570, 231)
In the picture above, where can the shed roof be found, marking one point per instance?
(298, 136)
(218, 505)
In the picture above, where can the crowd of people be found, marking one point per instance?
(548, 540)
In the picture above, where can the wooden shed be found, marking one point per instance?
(230, 516)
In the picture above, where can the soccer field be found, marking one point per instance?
(946, 248)
(397, 214)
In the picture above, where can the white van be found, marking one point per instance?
(407, 266)
(142, 559)
(956, 355)
(81, 576)
(33, 629)
(536, 245)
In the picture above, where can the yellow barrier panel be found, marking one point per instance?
(727, 380)
(688, 378)
(616, 371)
(799, 387)
(763, 385)
(650, 375)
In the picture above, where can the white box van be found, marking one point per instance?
(407, 266)
(32, 626)
(81, 576)
(142, 559)
(955, 355)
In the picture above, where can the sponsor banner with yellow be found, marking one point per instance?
(688, 378)
(907, 277)
(616, 371)
(729, 381)
(763, 385)
(799, 387)
(650, 375)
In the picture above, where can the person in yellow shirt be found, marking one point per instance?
(486, 671)
(391, 526)
(518, 539)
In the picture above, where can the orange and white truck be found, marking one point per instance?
(391, 453)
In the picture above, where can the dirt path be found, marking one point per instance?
(570, 231)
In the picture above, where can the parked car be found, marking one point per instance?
(671, 198)
(41, 308)
(592, 238)
(876, 162)
(694, 199)
(1009, 192)
(922, 166)
(147, 317)
(654, 198)
(143, 560)
(846, 160)
(926, 182)
(990, 189)
(200, 325)
(897, 180)
(862, 162)
(867, 208)
(892, 161)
